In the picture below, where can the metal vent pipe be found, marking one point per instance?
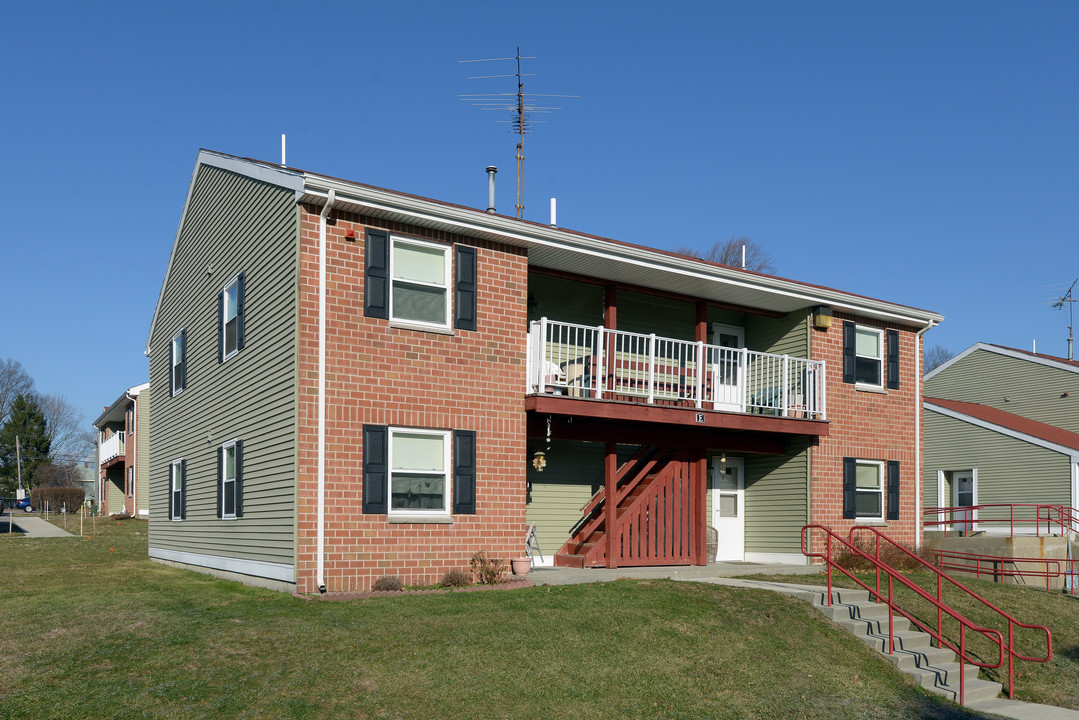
(491, 170)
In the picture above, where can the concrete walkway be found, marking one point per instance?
(30, 525)
(724, 573)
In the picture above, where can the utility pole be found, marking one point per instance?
(1059, 304)
(18, 466)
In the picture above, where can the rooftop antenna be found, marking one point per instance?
(521, 106)
(1059, 305)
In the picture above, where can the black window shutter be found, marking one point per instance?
(172, 481)
(893, 359)
(893, 489)
(240, 312)
(221, 326)
(464, 302)
(183, 489)
(375, 468)
(239, 484)
(850, 492)
(172, 371)
(183, 359)
(849, 339)
(376, 283)
(464, 472)
(220, 478)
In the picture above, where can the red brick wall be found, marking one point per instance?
(867, 425)
(383, 375)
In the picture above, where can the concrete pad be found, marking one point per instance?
(30, 525)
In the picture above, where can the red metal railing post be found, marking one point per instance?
(1011, 659)
(891, 618)
(962, 664)
(828, 561)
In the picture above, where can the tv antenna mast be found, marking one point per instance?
(521, 106)
(1059, 305)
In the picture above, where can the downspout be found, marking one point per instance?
(320, 522)
(919, 408)
(135, 454)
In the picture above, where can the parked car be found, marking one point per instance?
(24, 504)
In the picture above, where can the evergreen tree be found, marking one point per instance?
(27, 422)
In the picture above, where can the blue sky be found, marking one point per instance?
(924, 153)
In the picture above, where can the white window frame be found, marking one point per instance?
(176, 488)
(173, 390)
(225, 447)
(881, 489)
(233, 283)
(879, 359)
(446, 474)
(446, 286)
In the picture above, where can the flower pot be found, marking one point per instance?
(521, 565)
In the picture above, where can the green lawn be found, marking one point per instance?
(89, 628)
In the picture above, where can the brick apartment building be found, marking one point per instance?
(123, 442)
(349, 382)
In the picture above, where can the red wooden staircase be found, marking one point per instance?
(655, 510)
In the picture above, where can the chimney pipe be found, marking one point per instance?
(491, 170)
(554, 213)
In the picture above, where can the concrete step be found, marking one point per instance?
(933, 668)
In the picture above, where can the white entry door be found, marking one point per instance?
(728, 371)
(965, 495)
(728, 508)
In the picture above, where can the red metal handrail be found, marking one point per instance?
(942, 580)
(994, 636)
(962, 518)
(955, 561)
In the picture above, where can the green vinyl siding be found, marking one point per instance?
(646, 314)
(777, 499)
(574, 472)
(231, 224)
(1010, 470)
(1032, 390)
(564, 300)
(788, 335)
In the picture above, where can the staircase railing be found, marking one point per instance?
(997, 567)
(1006, 649)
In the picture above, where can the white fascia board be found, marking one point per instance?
(281, 177)
(517, 233)
(1008, 432)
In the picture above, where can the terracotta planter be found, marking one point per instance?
(521, 565)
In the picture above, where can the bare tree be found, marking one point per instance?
(14, 381)
(729, 252)
(935, 357)
(58, 475)
(66, 428)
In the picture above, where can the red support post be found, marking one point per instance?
(610, 509)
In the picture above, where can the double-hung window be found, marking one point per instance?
(420, 282)
(178, 363)
(419, 472)
(230, 480)
(231, 318)
(869, 490)
(869, 356)
(178, 489)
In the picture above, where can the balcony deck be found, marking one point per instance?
(671, 382)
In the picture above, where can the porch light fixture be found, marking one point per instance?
(822, 317)
(533, 306)
(723, 458)
(539, 461)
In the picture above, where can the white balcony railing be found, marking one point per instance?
(593, 362)
(113, 447)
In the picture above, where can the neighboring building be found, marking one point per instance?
(350, 382)
(123, 450)
(1001, 427)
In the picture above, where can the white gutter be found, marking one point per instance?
(320, 522)
(919, 409)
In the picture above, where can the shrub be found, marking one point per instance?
(455, 578)
(388, 583)
(57, 498)
(487, 571)
(889, 554)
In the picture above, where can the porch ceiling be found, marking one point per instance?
(636, 423)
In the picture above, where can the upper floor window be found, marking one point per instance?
(867, 356)
(231, 318)
(420, 289)
(868, 346)
(178, 363)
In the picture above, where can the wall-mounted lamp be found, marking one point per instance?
(539, 461)
(822, 317)
(350, 235)
(533, 306)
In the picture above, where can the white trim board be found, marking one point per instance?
(255, 568)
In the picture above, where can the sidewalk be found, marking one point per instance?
(30, 525)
